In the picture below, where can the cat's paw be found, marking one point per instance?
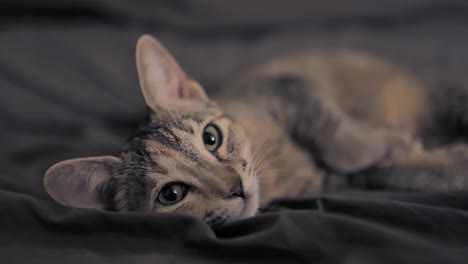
(400, 144)
(359, 146)
(348, 151)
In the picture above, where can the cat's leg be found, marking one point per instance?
(437, 169)
(342, 143)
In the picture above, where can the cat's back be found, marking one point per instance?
(364, 86)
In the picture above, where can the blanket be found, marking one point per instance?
(69, 89)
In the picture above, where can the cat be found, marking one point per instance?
(291, 127)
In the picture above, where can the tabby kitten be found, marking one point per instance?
(289, 128)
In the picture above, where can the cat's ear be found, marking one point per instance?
(162, 81)
(81, 182)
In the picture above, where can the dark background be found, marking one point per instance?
(68, 88)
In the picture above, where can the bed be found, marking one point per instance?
(69, 89)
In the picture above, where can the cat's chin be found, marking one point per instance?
(248, 208)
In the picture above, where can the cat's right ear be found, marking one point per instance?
(81, 182)
(162, 80)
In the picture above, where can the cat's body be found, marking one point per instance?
(349, 119)
(289, 128)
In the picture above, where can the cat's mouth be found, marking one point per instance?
(242, 202)
(239, 207)
(249, 204)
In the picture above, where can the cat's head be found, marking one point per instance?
(189, 158)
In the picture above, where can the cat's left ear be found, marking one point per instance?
(81, 182)
(162, 80)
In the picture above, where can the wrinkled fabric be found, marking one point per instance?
(345, 228)
(69, 89)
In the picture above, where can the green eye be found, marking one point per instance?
(172, 193)
(212, 138)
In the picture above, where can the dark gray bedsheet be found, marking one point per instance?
(68, 89)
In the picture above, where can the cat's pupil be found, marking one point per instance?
(209, 138)
(171, 193)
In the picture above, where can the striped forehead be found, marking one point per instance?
(185, 115)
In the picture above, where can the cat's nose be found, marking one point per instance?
(237, 190)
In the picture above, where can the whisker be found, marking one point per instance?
(262, 156)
